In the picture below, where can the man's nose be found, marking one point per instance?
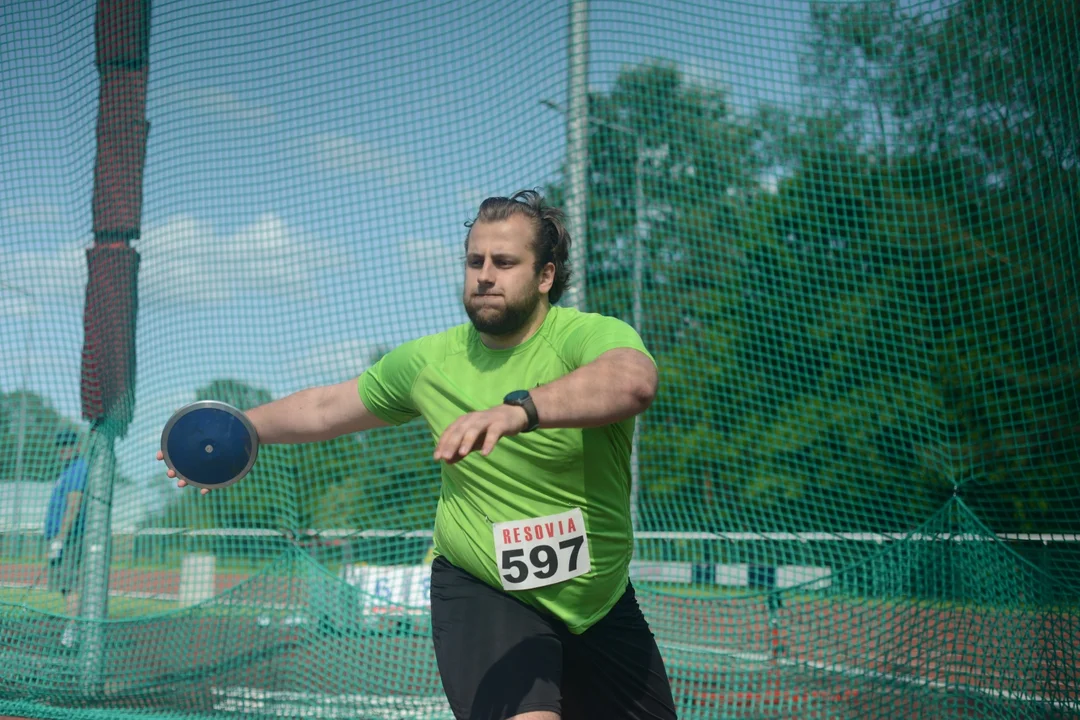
(486, 276)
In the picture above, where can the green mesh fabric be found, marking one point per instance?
(849, 232)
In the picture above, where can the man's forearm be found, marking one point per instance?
(294, 418)
(619, 384)
(311, 415)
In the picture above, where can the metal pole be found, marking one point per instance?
(639, 232)
(636, 318)
(97, 549)
(20, 441)
(637, 313)
(21, 437)
(577, 149)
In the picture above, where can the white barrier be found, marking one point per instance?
(729, 574)
(391, 588)
(197, 574)
(398, 589)
(656, 571)
(814, 578)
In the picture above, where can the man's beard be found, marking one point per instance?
(503, 321)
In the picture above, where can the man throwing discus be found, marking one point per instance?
(532, 409)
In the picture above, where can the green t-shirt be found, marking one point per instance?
(531, 475)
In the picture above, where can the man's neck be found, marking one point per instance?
(502, 342)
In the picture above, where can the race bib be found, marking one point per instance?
(541, 551)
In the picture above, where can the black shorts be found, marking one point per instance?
(499, 657)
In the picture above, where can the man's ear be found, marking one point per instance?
(547, 277)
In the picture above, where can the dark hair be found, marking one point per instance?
(551, 241)
(67, 438)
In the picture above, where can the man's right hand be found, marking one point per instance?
(56, 547)
(180, 482)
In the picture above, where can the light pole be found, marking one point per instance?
(577, 145)
(20, 442)
(636, 313)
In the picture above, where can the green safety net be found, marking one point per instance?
(849, 232)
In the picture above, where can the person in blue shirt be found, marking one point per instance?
(64, 523)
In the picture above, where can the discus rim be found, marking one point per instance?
(209, 405)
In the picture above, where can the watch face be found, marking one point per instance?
(516, 396)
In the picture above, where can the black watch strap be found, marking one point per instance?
(522, 399)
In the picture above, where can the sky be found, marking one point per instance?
(309, 171)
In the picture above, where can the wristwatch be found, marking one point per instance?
(522, 399)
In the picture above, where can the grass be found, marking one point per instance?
(53, 602)
(227, 565)
(711, 592)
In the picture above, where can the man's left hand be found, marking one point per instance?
(480, 431)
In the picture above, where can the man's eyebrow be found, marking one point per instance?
(494, 256)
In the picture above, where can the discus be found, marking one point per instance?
(209, 444)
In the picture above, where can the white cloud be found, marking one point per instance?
(345, 154)
(434, 261)
(186, 260)
(335, 361)
(15, 304)
(50, 275)
(37, 213)
(707, 73)
(226, 104)
(471, 198)
(50, 367)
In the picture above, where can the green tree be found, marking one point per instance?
(821, 407)
(383, 479)
(986, 121)
(28, 428)
(989, 86)
(821, 356)
(693, 157)
(390, 482)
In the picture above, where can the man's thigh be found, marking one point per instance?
(614, 669)
(497, 656)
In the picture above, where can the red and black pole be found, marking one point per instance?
(108, 362)
(107, 387)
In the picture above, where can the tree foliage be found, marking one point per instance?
(28, 429)
(983, 107)
(858, 308)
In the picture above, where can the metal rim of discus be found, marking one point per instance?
(210, 405)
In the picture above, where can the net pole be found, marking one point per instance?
(637, 317)
(577, 152)
(122, 49)
(20, 442)
(96, 548)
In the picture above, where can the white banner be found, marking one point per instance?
(392, 589)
